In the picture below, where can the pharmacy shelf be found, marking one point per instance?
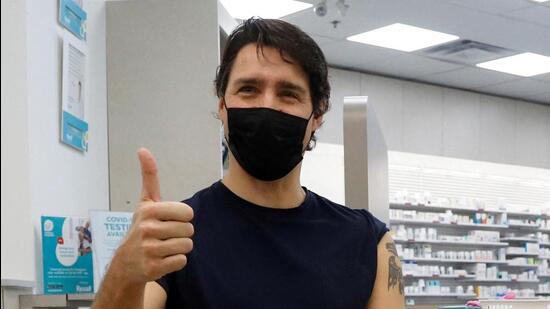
(517, 239)
(500, 280)
(433, 260)
(522, 254)
(486, 280)
(543, 257)
(450, 225)
(438, 276)
(440, 208)
(523, 226)
(510, 301)
(542, 293)
(464, 295)
(523, 214)
(462, 229)
(544, 276)
(452, 243)
(522, 265)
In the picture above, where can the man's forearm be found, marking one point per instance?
(116, 292)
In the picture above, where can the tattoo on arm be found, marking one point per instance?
(395, 276)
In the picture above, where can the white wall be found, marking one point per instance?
(17, 262)
(521, 187)
(161, 66)
(441, 121)
(64, 181)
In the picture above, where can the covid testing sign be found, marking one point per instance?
(109, 229)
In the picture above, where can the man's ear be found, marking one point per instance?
(220, 105)
(317, 122)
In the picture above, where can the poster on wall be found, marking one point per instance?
(67, 255)
(73, 17)
(109, 229)
(74, 128)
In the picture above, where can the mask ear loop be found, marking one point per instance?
(312, 133)
(224, 104)
(225, 137)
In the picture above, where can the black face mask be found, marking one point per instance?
(267, 143)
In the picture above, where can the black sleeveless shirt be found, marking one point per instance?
(317, 255)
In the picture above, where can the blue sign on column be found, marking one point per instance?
(75, 132)
(73, 17)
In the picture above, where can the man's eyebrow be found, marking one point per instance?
(291, 86)
(248, 81)
(282, 84)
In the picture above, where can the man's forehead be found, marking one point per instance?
(266, 63)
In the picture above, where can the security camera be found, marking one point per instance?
(320, 9)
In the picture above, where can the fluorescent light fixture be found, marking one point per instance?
(539, 0)
(526, 64)
(402, 37)
(244, 9)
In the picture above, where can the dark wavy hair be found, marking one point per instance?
(291, 42)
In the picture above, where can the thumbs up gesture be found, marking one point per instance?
(159, 239)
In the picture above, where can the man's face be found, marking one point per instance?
(266, 80)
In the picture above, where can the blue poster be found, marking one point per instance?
(67, 255)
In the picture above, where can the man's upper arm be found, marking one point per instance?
(388, 286)
(154, 296)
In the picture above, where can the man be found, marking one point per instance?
(260, 240)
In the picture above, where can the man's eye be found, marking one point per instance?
(247, 89)
(290, 94)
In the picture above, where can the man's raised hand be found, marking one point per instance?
(160, 236)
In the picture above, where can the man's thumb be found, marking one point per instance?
(150, 181)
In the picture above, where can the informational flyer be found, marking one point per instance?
(67, 255)
(73, 17)
(74, 128)
(109, 229)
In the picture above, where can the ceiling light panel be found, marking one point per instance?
(244, 9)
(403, 37)
(526, 64)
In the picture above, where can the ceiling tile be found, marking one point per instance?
(468, 78)
(408, 66)
(518, 88)
(322, 40)
(492, 6)
(537, 14)
(543, 77)
(519, 25)
(350, 54)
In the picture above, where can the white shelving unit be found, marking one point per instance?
(524, 239)
(450, 261)
(438, 276)
(461, 296)
(451, 225)
(513, 267)
(453, 243)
